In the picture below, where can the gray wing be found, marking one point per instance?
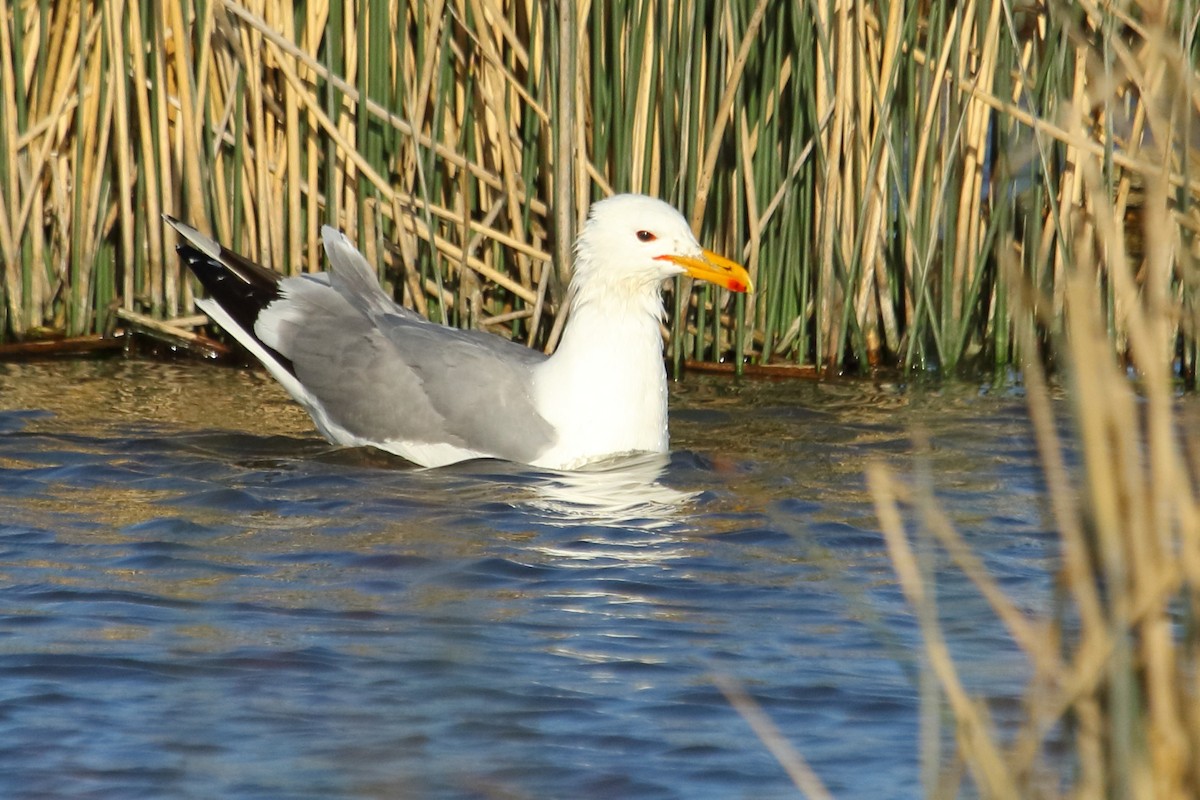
(383, 373)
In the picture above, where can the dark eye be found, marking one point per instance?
(646, 236)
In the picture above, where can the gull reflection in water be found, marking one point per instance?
(620, 492)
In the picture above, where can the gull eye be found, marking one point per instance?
(646, 236)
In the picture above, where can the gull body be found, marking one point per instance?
(370, 372)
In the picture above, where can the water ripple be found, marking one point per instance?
(204, 600)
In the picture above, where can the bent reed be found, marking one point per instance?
(874, 164)
(1112, 704)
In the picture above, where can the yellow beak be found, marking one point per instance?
(715, 269)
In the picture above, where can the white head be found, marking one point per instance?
(631, 243)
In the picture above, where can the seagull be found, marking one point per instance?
(372, 373)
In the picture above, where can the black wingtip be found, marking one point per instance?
(242, 299)
(239, 286)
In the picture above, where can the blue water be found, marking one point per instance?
(201, 598)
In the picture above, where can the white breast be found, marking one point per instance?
(604, 390)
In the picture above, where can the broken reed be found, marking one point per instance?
(1112, 704)
(867, 160)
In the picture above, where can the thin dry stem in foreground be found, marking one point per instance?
(1117, 671)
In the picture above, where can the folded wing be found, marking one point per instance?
(369, 371)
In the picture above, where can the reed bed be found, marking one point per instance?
(1112, 705)
(869, 161)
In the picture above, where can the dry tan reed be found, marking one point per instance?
(424, 130)
(870, 161)
(1117, 672)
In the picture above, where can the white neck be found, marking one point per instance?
(604, 389)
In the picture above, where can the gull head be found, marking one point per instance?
(631, 243)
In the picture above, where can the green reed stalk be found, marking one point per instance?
(334, 58)
(76, 308)
(26, 313)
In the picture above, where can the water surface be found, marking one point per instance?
(201, 598)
